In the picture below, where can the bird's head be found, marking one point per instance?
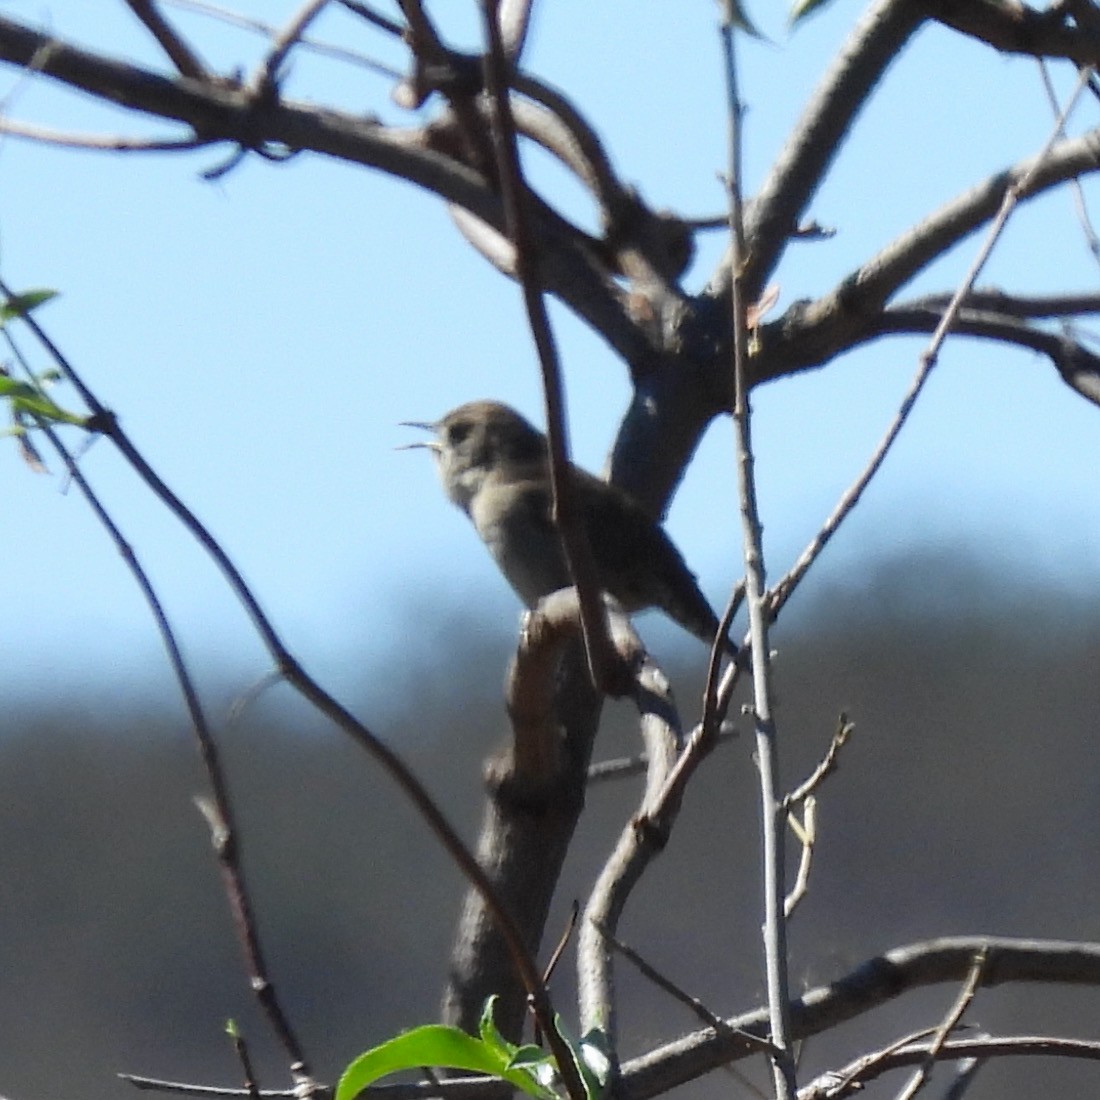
(478, 441)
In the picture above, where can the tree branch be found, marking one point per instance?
(875, 982)
(221, 110)
(811, 333)
(183, 57)
(773, 216)
(1016, 28)
(639, 843)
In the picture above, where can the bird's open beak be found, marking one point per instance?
(427, 445)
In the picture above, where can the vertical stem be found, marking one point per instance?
(772, 817)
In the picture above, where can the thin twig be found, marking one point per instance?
(106, 142)
(773, 816)
(106, 422)
(949, 1023)
(786, 586)
(602, 661)
(240, 1047)
(269, 30)
(267, 75)
(563, 942)
(982, 1049)
(827, 764)
(364, 11)
(187, 1088)
(710, 720)
(1091, 239)
(182, 56)
(625, 766)
(693, 1004)
(220, 805)
(806, 831)
(666, 984)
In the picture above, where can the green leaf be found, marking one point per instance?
(437, 1045)
(591, 1057)
(26, 400)
(42, 407)
(529, 1056)
(23, 303)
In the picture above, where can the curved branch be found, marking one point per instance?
(992, 300)
(110, 143)
(1016, 28)
(875, 982)
(1078, 367)
(222, 110)
(872, 285)
(772, 218)
(812, 333)
(852, 1078)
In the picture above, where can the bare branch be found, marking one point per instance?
(1078, 367)
(828, 764)
(182, 56)
(778, 207)
(627, 766)
(514, 17)
(693, 1004)
(219, 807)
(949, 1023)
(640, 842)
(1092, 241)
(852, 1079)
(993, 301)
(806, 832)
(187, 1088)
(225, 112)
(373, 17)
(268, 73)
(875, 982)
(324, 49)
(515, 943)
(1009, 201)
(820, 329)
(1017, 28)
(602, 663)
(772, 814)
(104, 142)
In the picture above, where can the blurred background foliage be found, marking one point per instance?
(968, 802)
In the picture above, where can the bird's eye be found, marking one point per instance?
(458, 431)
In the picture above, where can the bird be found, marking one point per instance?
(494, 465)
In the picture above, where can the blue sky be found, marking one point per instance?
(261, 337)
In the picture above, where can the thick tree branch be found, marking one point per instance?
(223, 111)
(1017, 28)
(772, 218)
(812, 333)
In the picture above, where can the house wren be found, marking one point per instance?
(494, 466)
